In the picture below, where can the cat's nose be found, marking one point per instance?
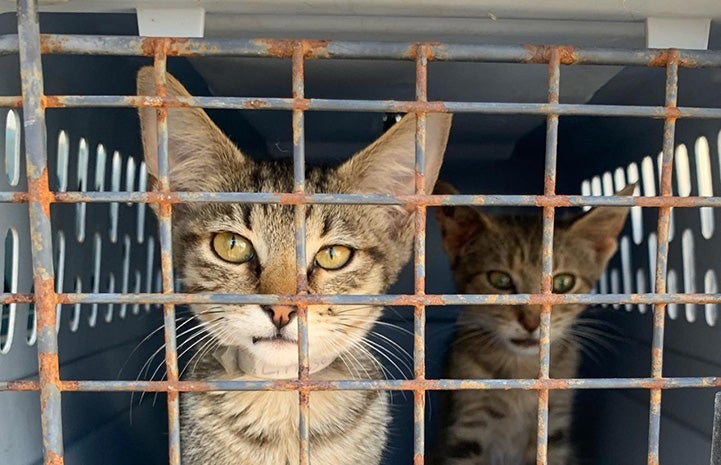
(530, 321)
(280, 315)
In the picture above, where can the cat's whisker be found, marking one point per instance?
(209, 347)
(208, 334)
(387, 354)
(592, 342)
(354, 363)
(199, 330)
(146, 338)
(393, 343)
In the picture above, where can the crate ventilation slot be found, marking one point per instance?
(691, 232)
(98, 247)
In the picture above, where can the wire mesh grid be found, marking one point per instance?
(30, 45)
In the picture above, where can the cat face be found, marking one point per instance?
(502, 255)
(250, 249)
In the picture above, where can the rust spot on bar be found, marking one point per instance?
(23, 385)
(545, 299)
(294, 198)
(280, 48)
(300, 103)
(542, 53)
(20, 197)
(147, 45)
(45, 293)
(567, 54)
(53, 459)
(183, 47)
(672, 112)
(258, 103)
(52, 43)
(661, 58)
(49, 367)
(315, 48)
(42, 189)
(283, 48)
(69, 385)
(51, 101)
(552, 201)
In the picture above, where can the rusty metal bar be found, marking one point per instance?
(166, 255)
(664, 219)
(298, 82)
(549, 188)
(371, 299)
(374, 385)
(256, 103)
(419, 261)
(369, 199)
(321, 49)
(31, 75)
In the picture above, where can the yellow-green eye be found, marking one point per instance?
(563, 283)
(333, 257)
(500, 280)
(233, 248)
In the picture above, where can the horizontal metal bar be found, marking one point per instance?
(321, 49)
(378, 299)
(255, 103)
(376, 385)
(371, 199)
(10, 101)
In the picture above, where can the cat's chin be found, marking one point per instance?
(267, 359)
(527, 347)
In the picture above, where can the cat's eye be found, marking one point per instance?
(233, 248)
(333, 257)
(500, 280)
(563, 283)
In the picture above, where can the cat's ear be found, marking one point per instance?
(602, 225)
(387, 166)
(195, 143)
(458, 223)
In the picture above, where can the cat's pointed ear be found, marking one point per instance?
(602, 225)
(195, 143)
(458, 223)
(387, 166)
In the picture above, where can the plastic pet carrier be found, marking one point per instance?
(93, 336)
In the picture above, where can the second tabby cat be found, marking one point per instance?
(502, 255)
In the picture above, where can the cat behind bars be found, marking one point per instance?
(502, 255)
(249, 249)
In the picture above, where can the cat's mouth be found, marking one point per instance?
(277, 339)
(527, 342)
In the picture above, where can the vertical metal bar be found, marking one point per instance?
(549, 188)
(664, 221)
(165, 212)
(300, 253)
(31, 75)
(716, 435)
(419, 260)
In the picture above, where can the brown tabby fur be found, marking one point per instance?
(499, 427)
(261, 428)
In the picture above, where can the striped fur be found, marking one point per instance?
(261, 428)
(499, 427)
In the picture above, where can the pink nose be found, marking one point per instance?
(280, 315)
(530, 321)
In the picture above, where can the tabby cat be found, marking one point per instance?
(249, 248)
(502, 255)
